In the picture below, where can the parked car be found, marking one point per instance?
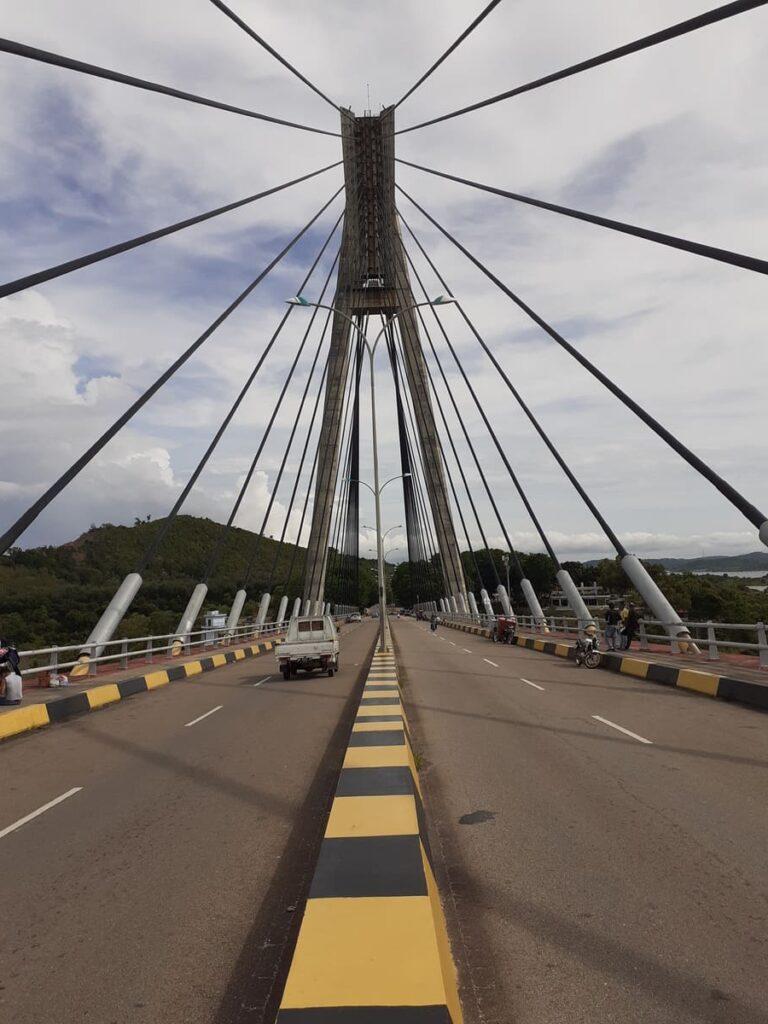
(311, 644)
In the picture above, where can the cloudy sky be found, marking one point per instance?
(674, 139)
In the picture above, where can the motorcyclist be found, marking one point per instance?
(433, 623)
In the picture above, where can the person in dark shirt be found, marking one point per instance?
(631, 626)
(612, 619)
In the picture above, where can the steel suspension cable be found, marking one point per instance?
(339, 507)
(289, 577)
(464, 480)
(224, 535)
(262, 42)
(27, 518)
(747, 509)
(494, 437)
(163, 531)
(400, 275)
(456, 43)
(423, 547)
(475, 459)
(491, 498)
(40, 276)
(580, 490)
(299, 471)
(664, 35)
(735, 259)
(60, 61)
(423, 507)
(330, 511)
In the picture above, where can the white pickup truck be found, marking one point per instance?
(311, 643)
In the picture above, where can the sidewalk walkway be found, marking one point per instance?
(138, 668)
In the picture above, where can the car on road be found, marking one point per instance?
(355, 617)
(311, 644)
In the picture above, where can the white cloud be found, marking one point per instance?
(671, 138)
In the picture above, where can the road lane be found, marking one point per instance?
(163, 892)
(592, 876)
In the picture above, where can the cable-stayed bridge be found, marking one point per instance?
(376, 309)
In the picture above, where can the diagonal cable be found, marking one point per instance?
(60, 61)
(12, 534)
(40, 276)
(456, 43)
(664, 35)
(262, 42)
(167, 522)
(711, 252)
(747, 509)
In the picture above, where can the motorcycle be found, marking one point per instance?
(588, 651)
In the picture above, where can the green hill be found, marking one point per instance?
(54, 595)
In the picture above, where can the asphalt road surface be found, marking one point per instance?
(176, 834)
(602, 842)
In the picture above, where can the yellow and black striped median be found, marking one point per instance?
(373, 947)
(741, 691)
(35, 716)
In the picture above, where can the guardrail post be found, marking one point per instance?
(124, 653)
(712, 650)
(762, 643)
(643, 636)
(91, 655)
(151, 655)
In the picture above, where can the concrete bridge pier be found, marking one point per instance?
(473, 606)
(261, 616)
(575, 600)
(533, 602)
(235, 612)
(296, 608)
(110, 619)
(503, 596)
(283, 607)
(188, 618)
(487, 603)
(656, 601)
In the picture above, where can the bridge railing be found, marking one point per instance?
(120, 653)
(714, 636)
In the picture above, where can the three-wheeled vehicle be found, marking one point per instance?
(504, 629)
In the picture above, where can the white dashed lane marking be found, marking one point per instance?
(621, 728)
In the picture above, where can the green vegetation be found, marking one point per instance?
(697, 598)
(54, 595)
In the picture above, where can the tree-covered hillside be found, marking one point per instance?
(54, 595)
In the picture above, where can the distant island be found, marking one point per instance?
(755, 561)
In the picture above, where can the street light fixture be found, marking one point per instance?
(441, 300)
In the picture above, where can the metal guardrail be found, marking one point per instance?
(164, 644)
(703, 633)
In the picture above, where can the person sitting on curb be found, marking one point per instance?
(10, 685)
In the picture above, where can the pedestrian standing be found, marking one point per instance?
(623, 614)
(631, 625)
(612, 620)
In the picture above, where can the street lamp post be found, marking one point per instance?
(441, 300)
